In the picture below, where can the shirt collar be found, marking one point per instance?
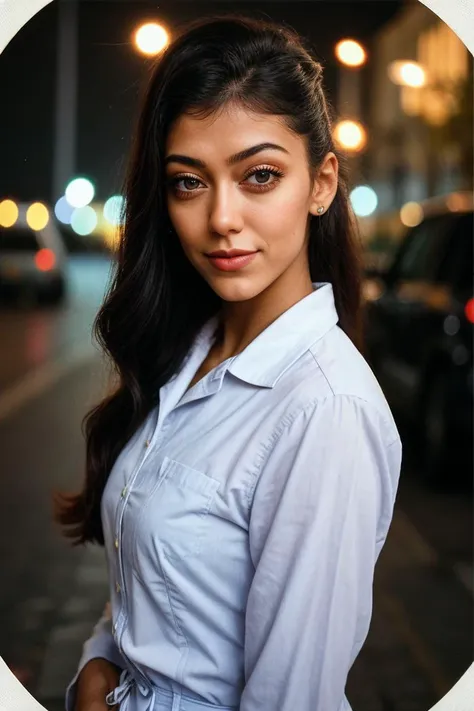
(278, 346)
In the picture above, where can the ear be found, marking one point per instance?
(325, 185)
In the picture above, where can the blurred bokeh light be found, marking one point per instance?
(407, 73)
(63, 211)
(151, 38)
(37, 216)
(350, 53)
(363, 200)
(84, 220)
(45, 260)
(350, 135)
(79, 192)
(8, 213)
(411, 214)
(113, 210)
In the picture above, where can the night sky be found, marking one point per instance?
(111, 73)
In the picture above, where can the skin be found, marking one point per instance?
(96, 680)
(220, 206)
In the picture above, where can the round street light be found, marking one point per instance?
(407, 73)
(363, 200)
(79, 192)
(351, 53)
(351, 136)
(8, 213)
(151, 38)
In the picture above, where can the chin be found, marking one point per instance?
(234, 289)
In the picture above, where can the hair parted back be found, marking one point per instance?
(157, 301)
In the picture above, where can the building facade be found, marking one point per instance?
(420, 135)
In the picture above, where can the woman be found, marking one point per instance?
(243, 474)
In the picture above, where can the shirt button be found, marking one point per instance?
(124, 491)
(117, 587)
(116, 543)
(147, 443)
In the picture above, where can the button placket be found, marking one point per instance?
(124, 495)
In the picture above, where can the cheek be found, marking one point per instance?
(284, 220)
(187, 225)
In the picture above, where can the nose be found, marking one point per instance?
(225, 214)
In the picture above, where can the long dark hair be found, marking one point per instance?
(157, 301)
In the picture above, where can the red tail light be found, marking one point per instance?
(469, 310)
(45, 260)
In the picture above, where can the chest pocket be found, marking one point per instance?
(174, 520)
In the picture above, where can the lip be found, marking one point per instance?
(227, 253)
(233, 263)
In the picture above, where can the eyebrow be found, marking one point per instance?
(232, 160)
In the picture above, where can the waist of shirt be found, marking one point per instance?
(133, 694)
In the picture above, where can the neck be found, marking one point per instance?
(241, 322)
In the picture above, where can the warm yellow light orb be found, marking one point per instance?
(350, 135)
(407, 73)
(37, 216)
(8, 213)
(351, 53)
(151, 38)
(411, 214)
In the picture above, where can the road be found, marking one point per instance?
(420, 640)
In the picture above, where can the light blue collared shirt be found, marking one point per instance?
(243, 522)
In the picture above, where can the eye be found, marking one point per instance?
(265, 177)
(184, 183)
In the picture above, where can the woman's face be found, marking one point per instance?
(241, 181)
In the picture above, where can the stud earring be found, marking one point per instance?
(320, 210)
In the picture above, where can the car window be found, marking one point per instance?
(423, 251)
(18, 239)
(458, 265)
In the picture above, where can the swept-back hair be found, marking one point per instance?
(157, 301)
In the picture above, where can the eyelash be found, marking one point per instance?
(263, 187)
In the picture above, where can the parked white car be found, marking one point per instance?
(32, 262)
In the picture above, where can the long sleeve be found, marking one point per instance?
(320, 514)
(100, 644)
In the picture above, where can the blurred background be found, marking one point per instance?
(401, 86)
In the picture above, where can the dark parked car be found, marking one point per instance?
(419, 334)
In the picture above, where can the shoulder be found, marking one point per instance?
(332, 375)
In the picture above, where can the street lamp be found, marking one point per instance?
(151, 38)
(350, 53)
(411, 214)
(407, 73)
(350, 135)
(8, 213)
(363, 200)
(37, 216)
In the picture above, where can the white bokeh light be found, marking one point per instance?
(151, 38)
(363, 200)
(113, 210)
(84, 220)
(79, 192)
(63, 211)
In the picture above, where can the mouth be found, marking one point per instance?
(228, 254)
(232, 260)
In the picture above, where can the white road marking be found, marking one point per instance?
(40, 379)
